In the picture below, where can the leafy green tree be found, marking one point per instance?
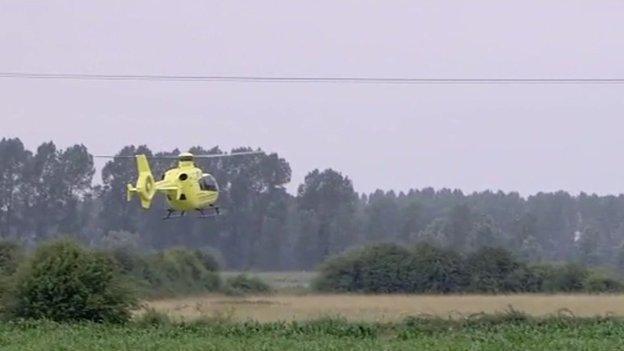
(531, 250)
(435, 233)
(523, 228)
(461, 221)
(257, 205)
(383, 214)
(14, 159)
(411, 221)
(58, 180)
(588, 245)
(556, 221)
(484, 233)
(328, 200)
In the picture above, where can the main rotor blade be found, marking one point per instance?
(229, 155)
(119, 156)
(194, 156)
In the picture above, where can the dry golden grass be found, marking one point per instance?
(384, 307)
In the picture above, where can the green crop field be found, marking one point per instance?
(508, 332)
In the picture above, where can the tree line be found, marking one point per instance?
(51, 191)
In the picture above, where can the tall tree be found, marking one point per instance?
(57, 181)
(383, 216)
(327, 201)
(13, 162)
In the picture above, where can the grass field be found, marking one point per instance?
(384, 308)
(512, 332)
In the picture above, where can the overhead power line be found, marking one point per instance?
(306, 79)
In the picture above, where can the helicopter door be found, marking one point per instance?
(208, 183)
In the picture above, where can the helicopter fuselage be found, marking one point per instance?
(191, 193)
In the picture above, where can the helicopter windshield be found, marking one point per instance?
(208, 183)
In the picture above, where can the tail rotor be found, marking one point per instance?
(145, 186)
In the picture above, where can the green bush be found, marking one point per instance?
(375, 269)
(495, 270)
(178, 271)
(243, 284)
(128, 261)
(172, 272)
(436, 271)
(389, 268)
(569, 277)
(208, 260)
(65, 282)
(597, 283)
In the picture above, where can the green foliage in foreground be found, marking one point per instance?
(512, 331)
(65, 282)
(389, 268)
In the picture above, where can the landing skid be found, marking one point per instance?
(213, 212)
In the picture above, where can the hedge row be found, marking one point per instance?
(389, 268)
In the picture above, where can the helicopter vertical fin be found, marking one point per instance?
(142, 164)
(145, 187)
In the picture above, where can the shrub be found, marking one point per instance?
(567, 278)
(208, 260)
(243, 284)
(178, 271)
(495, 270)
(524, 279)
(597, 283)
(375, 269)
(171, 272)
(389, 268)
(436, 270)
(64, 282)
(128, 261)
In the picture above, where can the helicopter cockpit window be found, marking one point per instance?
(207, 182)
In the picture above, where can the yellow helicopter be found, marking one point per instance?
(186, 187)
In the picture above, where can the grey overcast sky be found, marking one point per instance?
(525, 138)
